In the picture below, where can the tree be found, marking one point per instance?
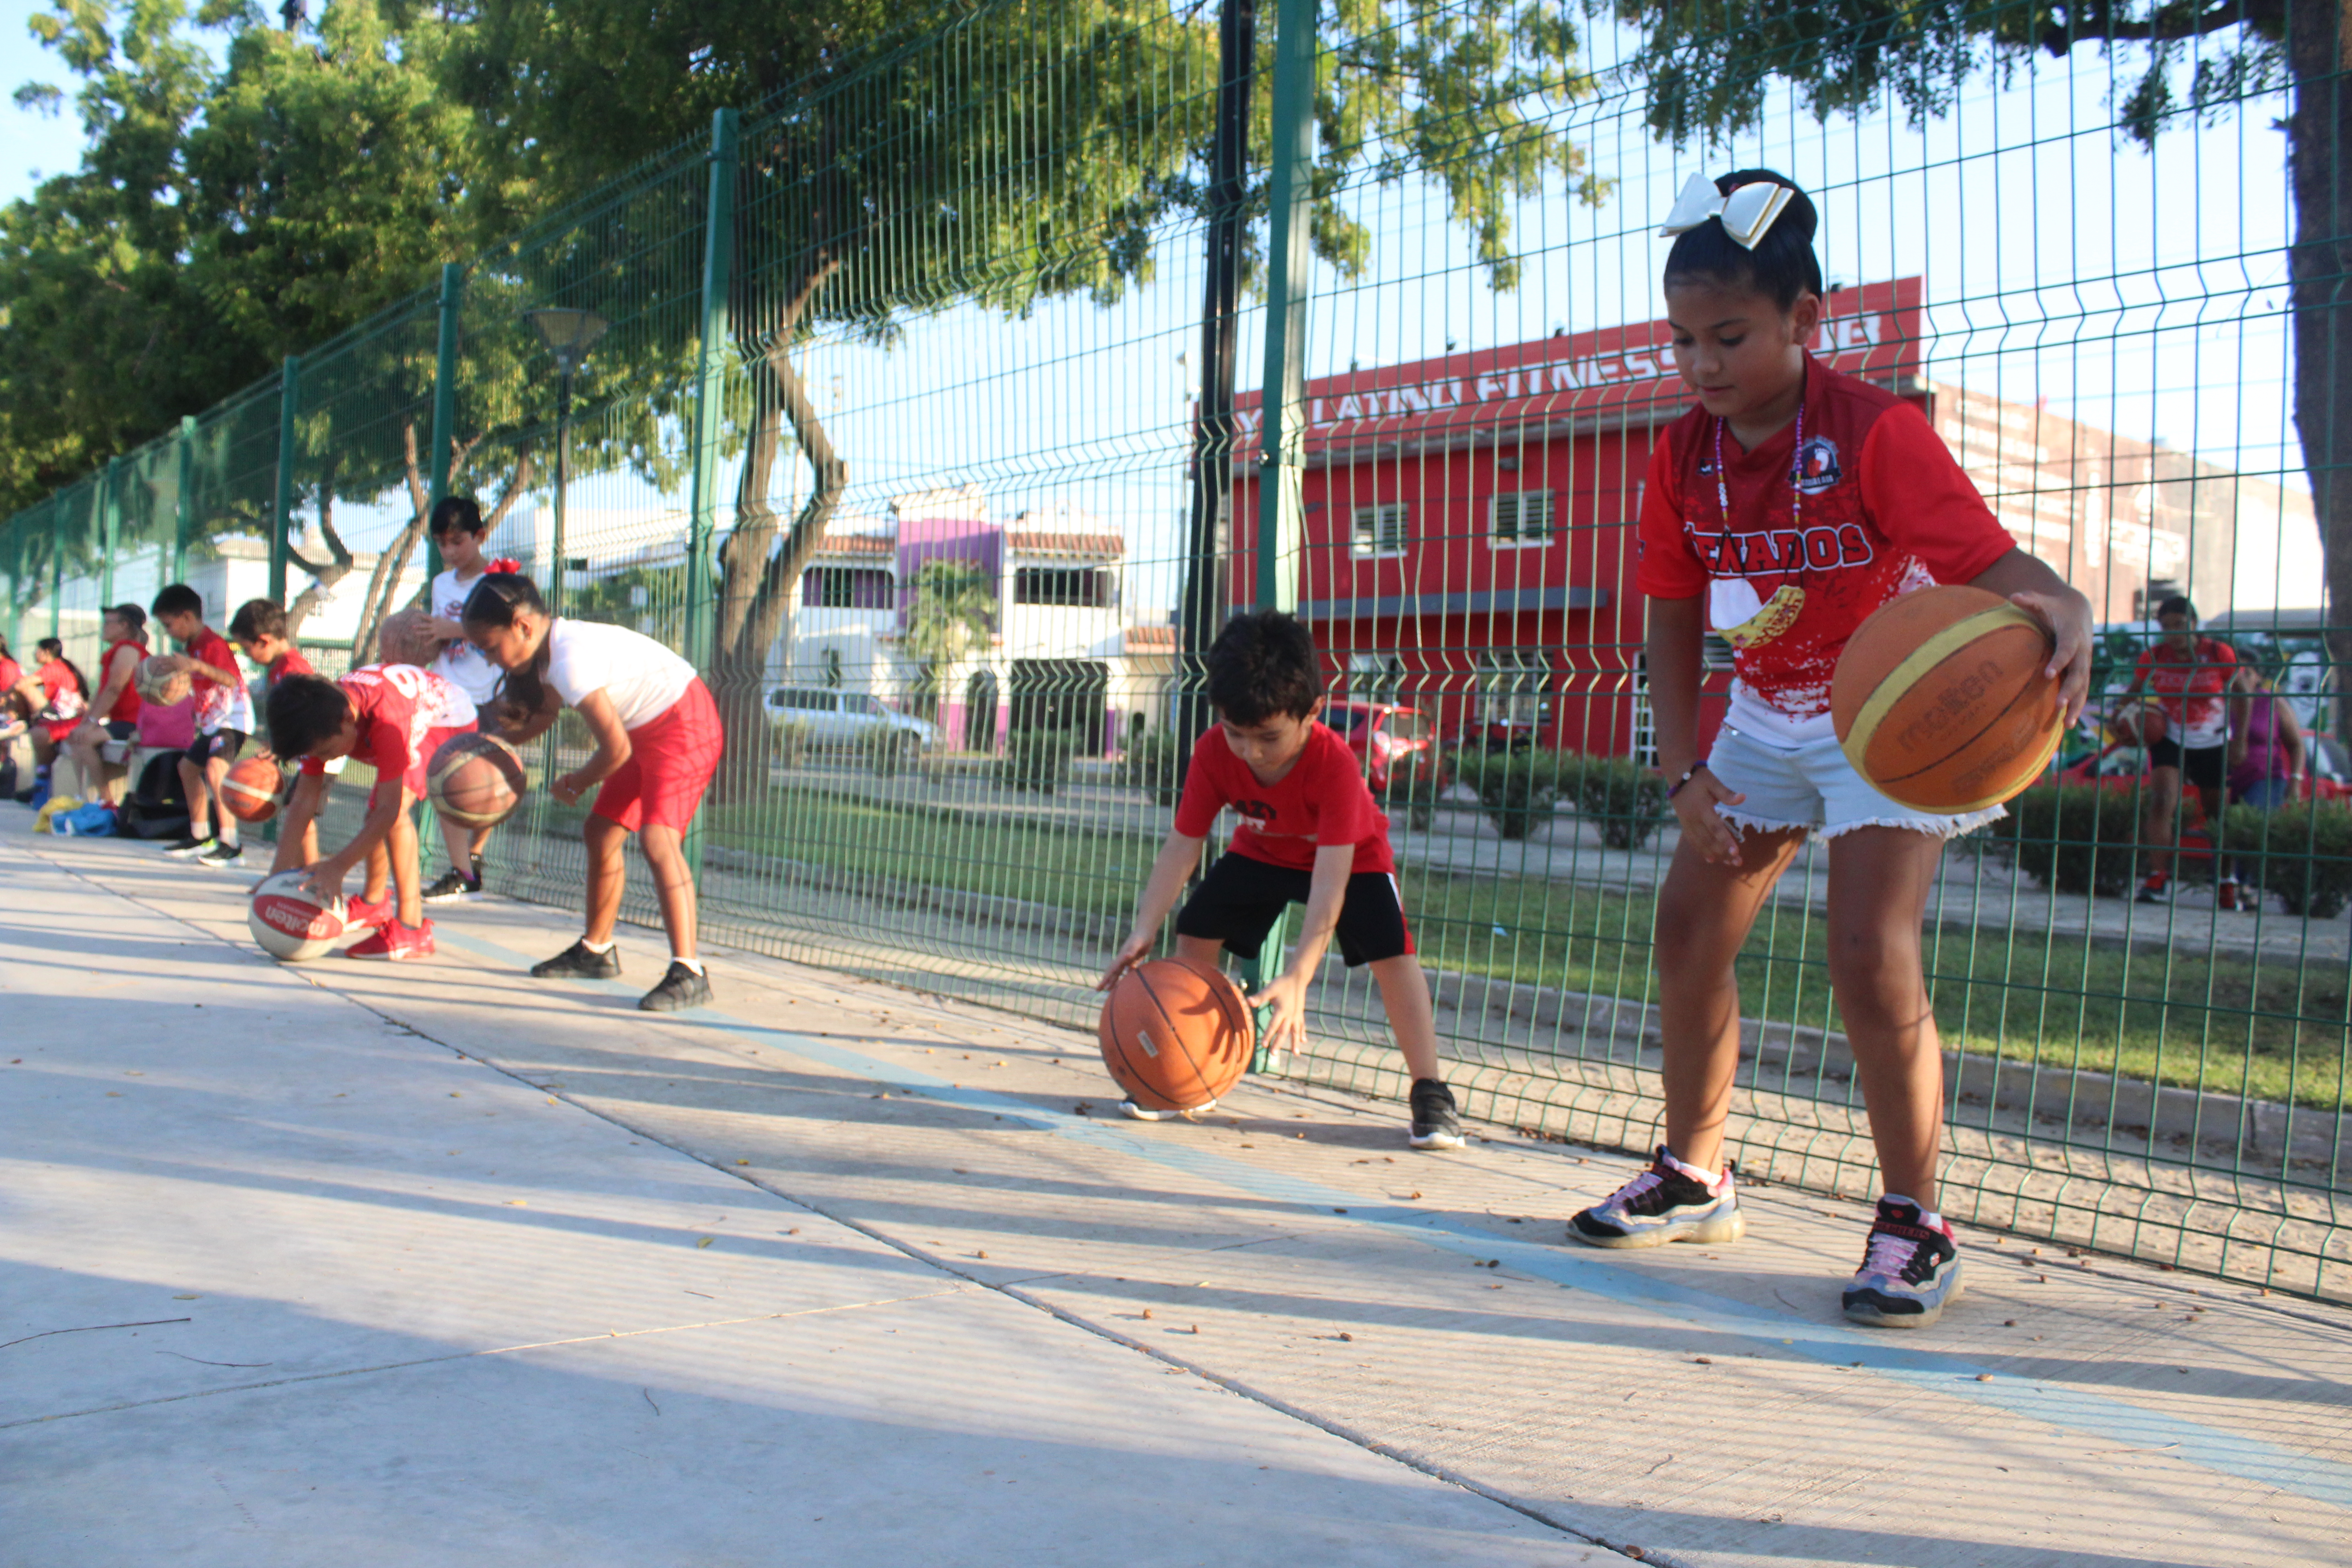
(950, 611)
(1000, 152)
(1707, 66)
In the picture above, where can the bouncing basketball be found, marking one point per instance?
(1940, 700)
(290, 923)
(1176, 1035)
(250, 790)
(475, 780)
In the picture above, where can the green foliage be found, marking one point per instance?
(790, 741)
(2076, 838)
(1038, 760)
(884, 751)
(1515, 789)
(1157, 762)
(1625, 802)
(952, 612)
(2302, 851)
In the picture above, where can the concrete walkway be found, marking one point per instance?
(343, 1263)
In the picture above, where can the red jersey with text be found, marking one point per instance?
(398, 707)
(2193, 684)
(218, 707)
(1321, 800)
(67, 701)
(1813, 541)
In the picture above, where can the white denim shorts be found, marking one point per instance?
(1811, 785)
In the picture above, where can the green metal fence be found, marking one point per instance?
(920, 408)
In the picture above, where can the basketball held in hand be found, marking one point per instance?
(475, 780)
(290, 921)
(1941, 700)
(1176, 1035)
(160, 681)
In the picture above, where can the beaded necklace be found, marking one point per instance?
(1796, 472)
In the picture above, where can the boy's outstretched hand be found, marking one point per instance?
(1132, 952)
(1286, 1030)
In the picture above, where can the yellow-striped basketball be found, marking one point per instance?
(1941, 703)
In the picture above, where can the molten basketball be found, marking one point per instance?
(1176, 1035)
(406, 637)
(2137, 724)
(158, 683)
(250, 790)
(1940, 700)
(475, 780)
(289, 921)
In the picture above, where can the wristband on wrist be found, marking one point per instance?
(1688, 773)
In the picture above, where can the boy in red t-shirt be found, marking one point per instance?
(224, 723)
(2192, 677)
(391, 718)
(1309, 833)
(258, 630)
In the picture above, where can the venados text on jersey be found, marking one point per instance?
(1827, 547)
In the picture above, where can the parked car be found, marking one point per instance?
(842, 720)
(1496, 735)
(1398, 745)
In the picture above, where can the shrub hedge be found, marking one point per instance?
(2302, 851)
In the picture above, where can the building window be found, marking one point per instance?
(1519, 518)
(1380, 531)
(846, 588)
(1515, 686)
(1088, 587)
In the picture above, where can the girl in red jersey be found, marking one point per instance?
(657, 746)
(65, 698)
(2192, 676)
(1779, 513)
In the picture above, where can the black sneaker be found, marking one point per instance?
(184, 847)
(219, 854)
(576, 962)
(1910, 1273)
(1435, 1123)
(1660, 1205)
(680, 989)
(453, 887)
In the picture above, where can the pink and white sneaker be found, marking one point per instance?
(360, 915)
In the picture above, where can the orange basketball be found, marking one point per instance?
(2137, 724)
(1940, 700)
(475, 780)
(1176, 1035)
(250, 790)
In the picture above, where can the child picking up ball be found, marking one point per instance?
(1779, 512)
(1309, 833)
(391, 718)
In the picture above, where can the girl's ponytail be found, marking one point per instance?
(1782, 265)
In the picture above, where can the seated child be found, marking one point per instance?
(1309, 833)
(224, 721)
(391, 718)
(258, 630)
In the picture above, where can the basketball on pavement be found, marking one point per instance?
(475, 780)
(292, 922)
(250, 790)
(1941, 703)
(1176, 1035)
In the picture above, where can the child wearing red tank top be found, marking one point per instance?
(1780, 513)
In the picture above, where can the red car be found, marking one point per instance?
(1395, 744)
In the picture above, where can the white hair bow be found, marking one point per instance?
(1747, 213)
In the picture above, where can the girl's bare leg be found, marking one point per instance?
(1880, 878)
(606, 872)
(672, 884)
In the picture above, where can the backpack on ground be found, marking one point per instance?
(158, 808)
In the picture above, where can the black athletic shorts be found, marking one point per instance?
(221, 744)
(2206, 767)
(120, 729)
(1240, 898)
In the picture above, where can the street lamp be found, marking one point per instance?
(568, 335)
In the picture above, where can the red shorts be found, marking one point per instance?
(434, 741)
(671, 761)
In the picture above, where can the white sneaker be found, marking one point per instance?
(1660, 1205)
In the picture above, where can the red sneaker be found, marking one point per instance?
(2225, 897)
(395, 942)
(360, 915)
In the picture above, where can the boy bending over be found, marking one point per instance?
(1309, 833)
(391, 718)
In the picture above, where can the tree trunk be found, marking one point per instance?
(327, 573)
(2319, 265)
(756, 573)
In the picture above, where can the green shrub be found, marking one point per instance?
(1625, 800)
(1158, 762)
(2302, 851)
(1515, 789)
(1037, 759)
(886, 750)
(1412, 796)
(2076, 838)
(790, 741)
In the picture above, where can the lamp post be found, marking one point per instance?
(568, 335)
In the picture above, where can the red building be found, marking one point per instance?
(1469, 520)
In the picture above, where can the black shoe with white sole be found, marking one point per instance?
(1909, 1274)
(1661, 1204)
(578, 962)
(680, 989)
(453, 887)
(1436, 1124)
(220, 854)
(183, 849)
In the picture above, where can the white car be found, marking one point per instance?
(843, 718)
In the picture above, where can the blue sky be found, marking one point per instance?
(38, 145)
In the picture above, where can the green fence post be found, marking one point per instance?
(282, 513)
(185, 522)
(1283, 395)
(14, 538)
(444, 399)
(710, 410)
(57, 564)
(109, 528)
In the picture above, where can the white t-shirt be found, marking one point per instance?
(461, 664)
(641, 679)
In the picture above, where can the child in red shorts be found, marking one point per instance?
(391, 718)
(1309, 834)
(657, 746)
(1780, 513)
